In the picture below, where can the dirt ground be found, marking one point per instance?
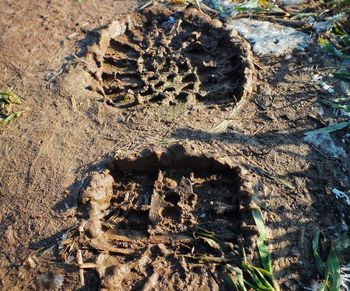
(73, 128)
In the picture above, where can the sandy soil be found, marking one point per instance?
(72, 130)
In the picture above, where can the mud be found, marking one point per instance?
(163, 218)
(167, 57)
(46, 155)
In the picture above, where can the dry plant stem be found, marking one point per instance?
(81, 270)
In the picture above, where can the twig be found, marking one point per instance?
(81, 270)
(149, 3)
(263, 153)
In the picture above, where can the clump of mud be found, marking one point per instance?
(165, 57)
(164, 218)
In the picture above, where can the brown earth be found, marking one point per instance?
(193, 60)
(71, 131)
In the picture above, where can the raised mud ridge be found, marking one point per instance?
(152, 220)
(166, 57)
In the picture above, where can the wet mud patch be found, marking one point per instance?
(160, 56)
(163, 218)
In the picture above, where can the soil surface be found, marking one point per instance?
(79, 127)
(156, 214)
(161, 56)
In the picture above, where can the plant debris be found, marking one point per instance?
(8, 101)
(330, 268)
(341, 195)
(155, 213)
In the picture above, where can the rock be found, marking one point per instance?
(30, 262)
(49, 282)
(10, 235)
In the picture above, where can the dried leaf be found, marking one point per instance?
(9, 97)
(286, 184)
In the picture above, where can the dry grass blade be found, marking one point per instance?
(286, 183)
(221, 127)
(202, 259)
(195, 3)
(147, 4)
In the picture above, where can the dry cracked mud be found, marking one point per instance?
(167, 57)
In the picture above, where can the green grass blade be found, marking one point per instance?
(234, 278)
(241, 281)
(325, 285)
(342, 75)
(252, 5)
(330, 128)
(333, 50)
(231, 281)
(336, 105)
(262, 271)
(259, 284)
(286, 183)
(217, 6)
(262, 247)
(320, 265)
(12, 116)
(264, 255)
(263, 250)
(330, 270)
(333, 270)
(262, 277)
